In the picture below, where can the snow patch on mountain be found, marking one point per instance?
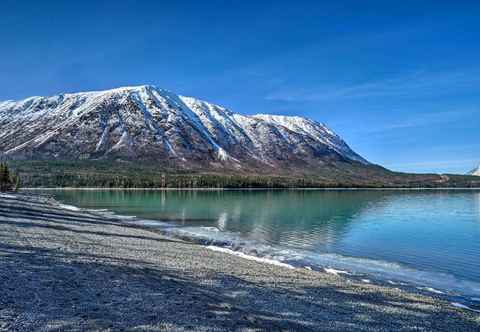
(147, 122)
(316, 130)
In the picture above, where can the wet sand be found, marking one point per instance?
(63, 269)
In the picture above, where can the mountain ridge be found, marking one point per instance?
(475, 171)
(142, 136)
(145, 122)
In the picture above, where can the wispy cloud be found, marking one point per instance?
(411, 84)
(467, 163)
(426, 119)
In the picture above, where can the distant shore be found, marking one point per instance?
(65, 268)
(248, 189)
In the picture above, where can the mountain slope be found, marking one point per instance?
(155, 125)
(148, 137)
(475, 171)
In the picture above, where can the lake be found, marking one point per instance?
(425, 237)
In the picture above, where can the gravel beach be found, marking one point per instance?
(66, 269)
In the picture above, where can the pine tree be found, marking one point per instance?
(17, 183)
(5, 180)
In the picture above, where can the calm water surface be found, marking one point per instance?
(425, 234)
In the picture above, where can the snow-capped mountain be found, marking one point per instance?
(475, 171)
(147, 123)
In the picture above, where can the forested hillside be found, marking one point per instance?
(106, 174)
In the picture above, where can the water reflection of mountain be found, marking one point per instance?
(306, 219)
(300, 219)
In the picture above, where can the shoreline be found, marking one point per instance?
(249, 189)
(90, 271)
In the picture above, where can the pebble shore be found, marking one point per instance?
(67, 269)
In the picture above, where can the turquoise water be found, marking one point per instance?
(428, 237)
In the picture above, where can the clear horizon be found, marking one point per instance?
(399, 82)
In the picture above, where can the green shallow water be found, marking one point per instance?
(434, 231)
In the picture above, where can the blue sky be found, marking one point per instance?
(398, 80)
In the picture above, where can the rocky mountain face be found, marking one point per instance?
(145, 123)
(475, 171)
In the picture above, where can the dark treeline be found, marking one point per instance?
(167, 180)
(108, 174)
(8, 180)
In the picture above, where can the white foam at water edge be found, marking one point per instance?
(125, 217)
(431, 290)
(396, 274)
(161, 225)
(152, 223)
(69, 207)
(463, 306)
(335, 272)
(111, 214)
(249, 257)
(7, 196)
(392, 273)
